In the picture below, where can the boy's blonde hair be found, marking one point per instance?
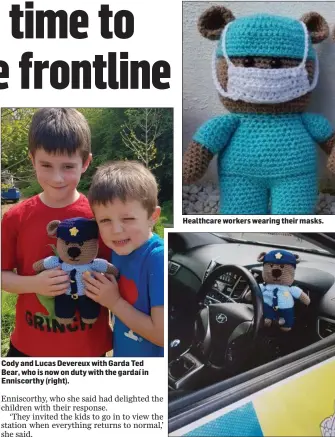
(60, 130)
(124, 180)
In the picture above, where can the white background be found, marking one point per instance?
(106, 386)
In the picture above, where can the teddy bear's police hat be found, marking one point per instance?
(77, 229)
(280, 257)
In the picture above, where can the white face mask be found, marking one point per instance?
(263, 85)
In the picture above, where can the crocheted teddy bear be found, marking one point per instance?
(77, 248)
(327, 426)
(264, 68)
(278, 293)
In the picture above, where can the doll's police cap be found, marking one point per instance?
(77, 229)
(266, 35)
(280, 257)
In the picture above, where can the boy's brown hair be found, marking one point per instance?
(124, 180)
(60, 130)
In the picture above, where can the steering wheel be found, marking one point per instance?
(225, 332)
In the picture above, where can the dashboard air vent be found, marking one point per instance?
(173, 268)
(326, 327)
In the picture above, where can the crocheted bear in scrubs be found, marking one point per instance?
(264, 68)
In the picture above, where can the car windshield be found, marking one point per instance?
(288, 241)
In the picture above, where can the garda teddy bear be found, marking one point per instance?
(77, 248)
(278, 293)
(264, 68)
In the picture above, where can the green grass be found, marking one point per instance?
(167, 211)
(33, 189)
(8, 302)
(165, 219)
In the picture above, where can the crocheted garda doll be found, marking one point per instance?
(77, 248)
(278, 292)
(264, 68)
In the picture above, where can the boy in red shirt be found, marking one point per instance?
(60, 151)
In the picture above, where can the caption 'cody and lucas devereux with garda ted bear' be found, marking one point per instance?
(264, 68)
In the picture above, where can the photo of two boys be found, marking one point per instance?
(82, 239)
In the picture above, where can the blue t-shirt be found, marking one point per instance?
(141, 283)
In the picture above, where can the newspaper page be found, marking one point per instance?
(87, 88)
(168, 202)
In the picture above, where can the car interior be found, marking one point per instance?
(216, 323)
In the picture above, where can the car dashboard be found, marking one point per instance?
(229, 287)
(189, 269)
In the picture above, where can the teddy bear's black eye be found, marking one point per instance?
(281, 266)
(276, 63)
(271, 265)
(81, 243)
(248, 61)
(67, 243)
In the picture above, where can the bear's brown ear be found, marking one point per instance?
(316, 25)
(261, 256)
(213, 20)
(297, 257)
(52, 227)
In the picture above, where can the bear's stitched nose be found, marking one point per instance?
(74, 252)
(276, 273)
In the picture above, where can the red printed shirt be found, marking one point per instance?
(37, 333)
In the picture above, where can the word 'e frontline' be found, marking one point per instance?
(103, 72)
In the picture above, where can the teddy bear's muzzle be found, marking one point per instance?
(276, 273)
(74, 252)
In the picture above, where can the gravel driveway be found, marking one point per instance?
(204, 199)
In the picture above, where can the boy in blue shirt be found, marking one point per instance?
(123, 197)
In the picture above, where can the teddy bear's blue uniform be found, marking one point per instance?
(262, 153)
(97, 265)
(266, 156)
(66, 304)
(284, 307)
